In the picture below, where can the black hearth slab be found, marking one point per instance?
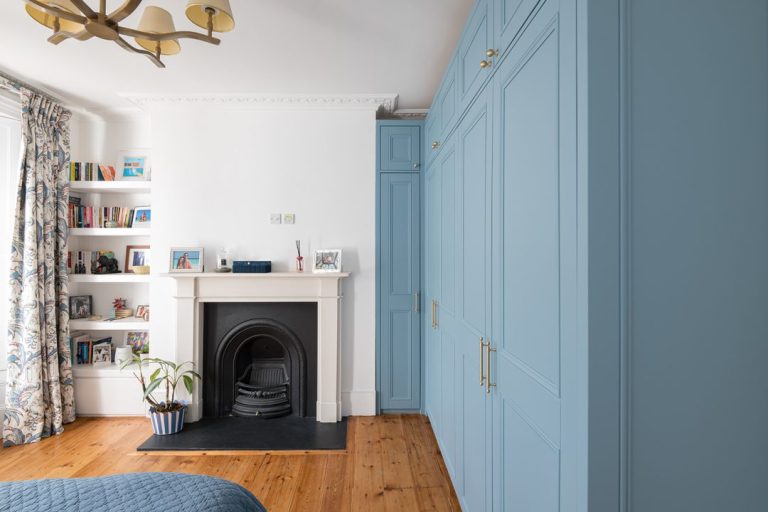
(232, 433)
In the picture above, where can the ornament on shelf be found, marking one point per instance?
(120, 309)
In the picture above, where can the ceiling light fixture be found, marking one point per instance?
(156, 35)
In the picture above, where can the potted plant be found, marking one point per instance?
(167, 415)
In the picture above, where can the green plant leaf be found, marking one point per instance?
(152, 386)
(155, 374)
(188, 383)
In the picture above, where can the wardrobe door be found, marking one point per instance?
(400, 148)
(536, 185)
(400, 200)
(432, 258)
(473, 477)
(474, 66)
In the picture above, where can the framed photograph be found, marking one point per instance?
(133, 165)
(136, 256)
(327, 260)
(186, 259)
(102, 354)
(142, 217)
(142, 312)
(79, 306)
(138, 341)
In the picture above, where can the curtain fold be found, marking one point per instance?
(39, 396)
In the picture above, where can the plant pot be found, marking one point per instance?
(165, 423)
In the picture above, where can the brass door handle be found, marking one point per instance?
(433, 313)
(488, 384)
(435, 322)
(490, 52)
(417, 302)
(483, 344)
(485, 64)
(435, 145)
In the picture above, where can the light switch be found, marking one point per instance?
(275, 218)
(289, 218)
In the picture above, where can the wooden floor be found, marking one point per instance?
(392, 463)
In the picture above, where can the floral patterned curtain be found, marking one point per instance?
(39, 397)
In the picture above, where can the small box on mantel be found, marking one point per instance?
(251, 267)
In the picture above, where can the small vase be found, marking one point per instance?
(299, 263)
(166, 423)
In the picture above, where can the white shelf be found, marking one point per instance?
(109, 278)
(113, 187)
(99, 371)
(109, 231)
(126, 324)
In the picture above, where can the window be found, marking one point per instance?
(10, 152)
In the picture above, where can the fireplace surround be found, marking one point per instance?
(193, 291)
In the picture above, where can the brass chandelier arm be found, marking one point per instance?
(167, 37)
(61, 35)
(59, 13)
(151, 56)
(123, 11)
(85, 9)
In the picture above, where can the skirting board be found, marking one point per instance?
(358, 403)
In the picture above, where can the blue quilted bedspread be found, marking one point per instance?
(132, 492)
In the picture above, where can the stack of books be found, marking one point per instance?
(89, 171)
(81, 216)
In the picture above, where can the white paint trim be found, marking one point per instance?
(358, 403)
(387, 102)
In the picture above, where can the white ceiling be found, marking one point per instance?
(278, 46)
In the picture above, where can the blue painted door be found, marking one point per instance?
(432, 288)
(399, 148)
(400, 280)
(509, 16)
(473, 244)
(535, 264)
(474, 66)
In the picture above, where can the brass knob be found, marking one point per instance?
(435, 145)
(485, 63)
(490, 52)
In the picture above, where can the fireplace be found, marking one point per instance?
(260, 359)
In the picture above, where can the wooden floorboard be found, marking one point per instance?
(391, 463)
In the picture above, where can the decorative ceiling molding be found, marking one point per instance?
(405, 113)
(376, 102)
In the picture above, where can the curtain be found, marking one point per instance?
(39, 396)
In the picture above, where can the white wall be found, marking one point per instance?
(219, 172)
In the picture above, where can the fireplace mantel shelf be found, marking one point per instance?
(232, 275)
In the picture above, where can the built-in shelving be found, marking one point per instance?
(118, 187)
(98, 371)
(126, 324)
(109, 231)
(109, 278)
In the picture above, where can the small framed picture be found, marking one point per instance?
(133, 165)
(136, 256)
(138, 341)
(142, 217)
(186, 259)
(327, 260)
(142, 312)
(79, 306)
(102, 354)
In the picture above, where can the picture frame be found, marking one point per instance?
(142, 311)
(186, 259)
(138, 341)
(327, 261)
(136, 256)
(142, 217)
(80, 306)
(134, 165)
(102, 354)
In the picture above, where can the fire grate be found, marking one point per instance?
(263, 390)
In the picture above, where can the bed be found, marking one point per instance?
(131, 492)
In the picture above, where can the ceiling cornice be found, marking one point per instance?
(380, 102)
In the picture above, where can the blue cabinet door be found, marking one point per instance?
(474, 66)
(400, 280)
(473, 252)
(399, 147)
(535, 261)
(509, 16)
(432, 257)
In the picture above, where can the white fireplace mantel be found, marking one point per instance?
(195, 289)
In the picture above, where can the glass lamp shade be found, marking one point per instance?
(48, 20)
(222, 14)
(155, 20)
